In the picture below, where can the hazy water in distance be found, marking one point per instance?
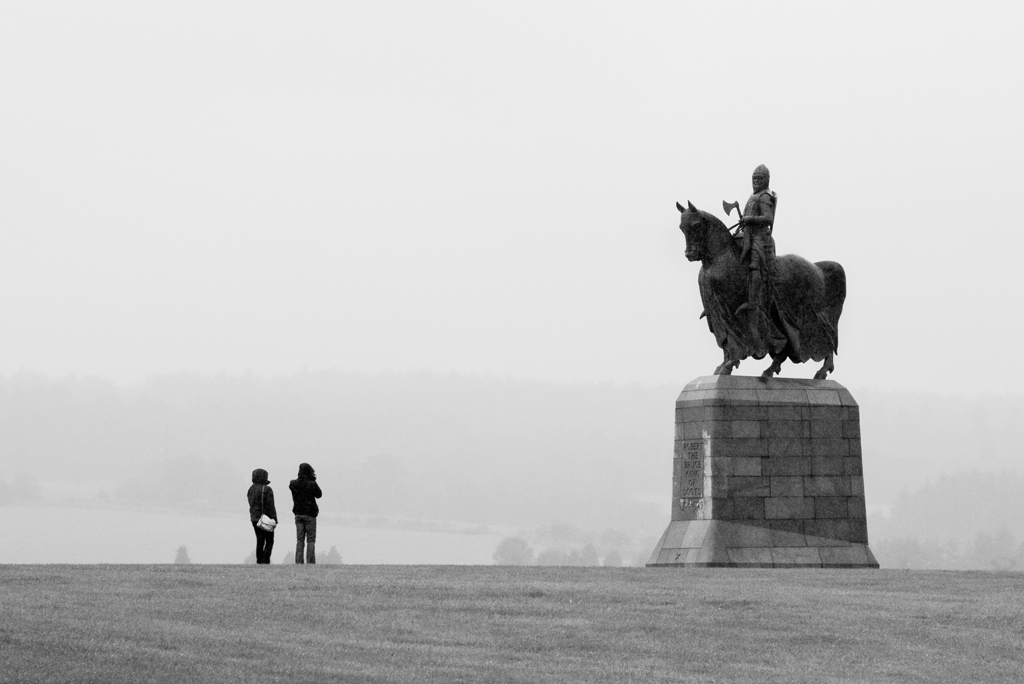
(35, 534)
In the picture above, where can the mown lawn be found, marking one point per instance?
(166, 623)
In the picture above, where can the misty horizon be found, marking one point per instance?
(451, 454)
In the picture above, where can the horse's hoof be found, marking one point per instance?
(821, 375)
(725, 369)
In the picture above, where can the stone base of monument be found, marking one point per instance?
(767, 474)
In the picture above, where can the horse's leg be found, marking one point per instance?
(826, 368)
(776, 366)
(725, 368)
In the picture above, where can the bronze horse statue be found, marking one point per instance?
(799, 314)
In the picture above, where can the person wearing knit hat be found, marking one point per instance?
(261, 501)
(305, 492)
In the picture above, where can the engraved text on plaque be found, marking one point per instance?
(690, 464)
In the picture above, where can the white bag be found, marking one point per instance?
(265, 522)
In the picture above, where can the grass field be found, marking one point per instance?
(166, 623)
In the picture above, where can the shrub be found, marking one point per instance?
(513, 551)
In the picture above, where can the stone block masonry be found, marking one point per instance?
(766, 474)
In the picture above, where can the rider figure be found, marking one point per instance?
(756, 226)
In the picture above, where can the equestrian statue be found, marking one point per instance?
(757, 304)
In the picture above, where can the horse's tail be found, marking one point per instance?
(835, 295)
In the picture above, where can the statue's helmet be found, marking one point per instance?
(762, 170)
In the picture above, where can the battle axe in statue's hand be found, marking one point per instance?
(729, 206)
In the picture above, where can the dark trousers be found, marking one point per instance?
(264, 544)
(305, 535)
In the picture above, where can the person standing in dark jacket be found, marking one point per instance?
(305, 492)
(261, 500)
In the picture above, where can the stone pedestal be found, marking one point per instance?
(766, 474)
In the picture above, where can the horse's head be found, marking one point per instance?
(695, 230)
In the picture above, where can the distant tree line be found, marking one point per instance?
(986, 551)
(332, 557)
(517, 551)
(22, 489)
(414, 445)
(959, 521)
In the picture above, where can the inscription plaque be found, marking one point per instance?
(689, 479)
(691, 467)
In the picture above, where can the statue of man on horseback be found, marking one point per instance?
(756, 304)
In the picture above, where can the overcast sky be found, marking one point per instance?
(490, 188)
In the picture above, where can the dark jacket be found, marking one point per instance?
(305, 492)
(261, 500)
